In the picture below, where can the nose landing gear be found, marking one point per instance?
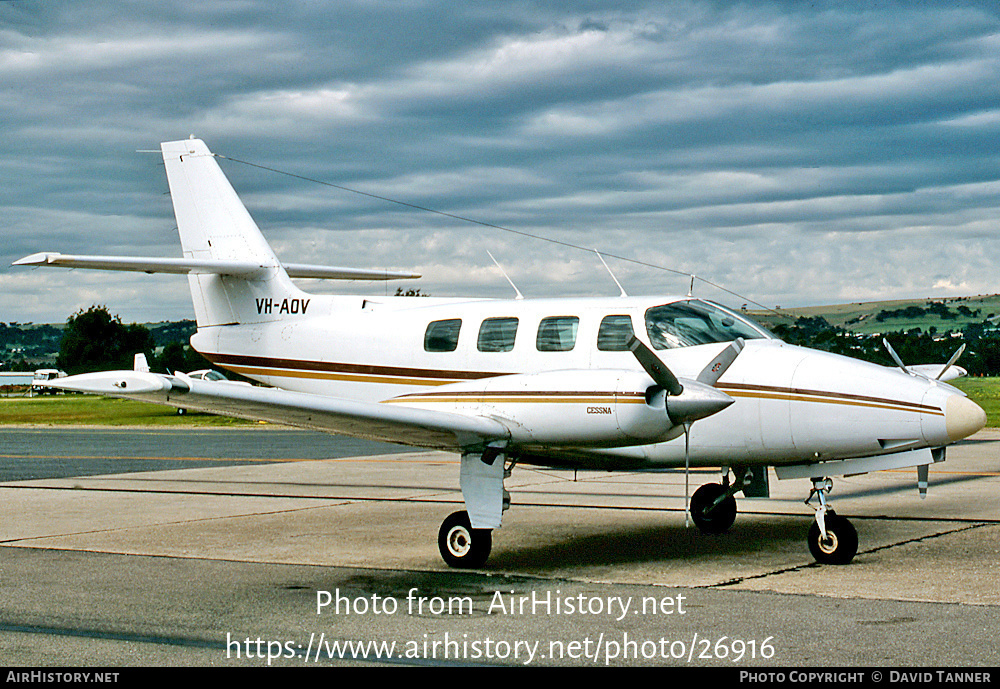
(832, 538)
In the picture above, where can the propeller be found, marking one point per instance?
(690, 401)
(914, 371)
(694, 399)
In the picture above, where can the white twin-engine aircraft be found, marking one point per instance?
(597, 383)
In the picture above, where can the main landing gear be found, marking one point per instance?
(465, 538)
(713, 506)
(462, 546)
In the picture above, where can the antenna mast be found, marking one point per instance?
(620, 288)
(504, 273)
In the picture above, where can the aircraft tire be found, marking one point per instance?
(720, 519)
(462, 546)
(841, 544)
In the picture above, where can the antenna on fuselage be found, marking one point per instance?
(504, 273)
(691, 286)
(622, 289)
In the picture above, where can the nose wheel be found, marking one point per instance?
(838, 546)
(833, 540)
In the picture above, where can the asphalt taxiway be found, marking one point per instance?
(223, 559)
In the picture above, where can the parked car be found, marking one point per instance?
(38, 386)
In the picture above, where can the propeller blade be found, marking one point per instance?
(951, 361)
(719, 365)
(656, 369)
(895, 357)
(695, 399)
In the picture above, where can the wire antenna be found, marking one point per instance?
(520, 233)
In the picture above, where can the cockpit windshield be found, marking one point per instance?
(696, 322)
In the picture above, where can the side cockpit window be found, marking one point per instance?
(695, 322)
(442, 336)
(557, 334)
(615, 333)
(497, 335)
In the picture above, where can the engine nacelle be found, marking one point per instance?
(572, 408)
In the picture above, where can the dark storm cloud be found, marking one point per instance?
(796, 153)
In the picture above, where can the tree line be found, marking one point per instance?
(94, 340)
(981, 356)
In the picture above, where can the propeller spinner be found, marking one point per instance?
(694, 399)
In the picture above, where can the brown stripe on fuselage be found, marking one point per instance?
(306, 366)
(397, 375)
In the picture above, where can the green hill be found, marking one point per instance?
(868, 318)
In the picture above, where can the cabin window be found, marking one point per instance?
(695, 322)
(497, 335)
(442, 336)
(615, 333)
(557, 334)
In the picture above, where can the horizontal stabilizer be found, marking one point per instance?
(184, 266)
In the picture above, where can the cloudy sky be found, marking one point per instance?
(796, 153)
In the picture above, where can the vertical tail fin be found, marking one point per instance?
(214, 224)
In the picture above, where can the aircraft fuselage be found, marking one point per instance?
(566, 368)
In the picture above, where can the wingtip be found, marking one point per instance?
(38, 259)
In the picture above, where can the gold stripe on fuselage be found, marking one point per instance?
(526, 397)
(825, 397)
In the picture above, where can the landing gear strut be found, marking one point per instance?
(832, 538)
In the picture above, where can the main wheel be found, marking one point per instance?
(717, 520)
(841, 542)
(461, 545)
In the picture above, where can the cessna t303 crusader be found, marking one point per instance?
(597, 383)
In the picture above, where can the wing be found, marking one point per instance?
(390, 423)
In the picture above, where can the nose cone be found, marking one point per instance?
(963, 417)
